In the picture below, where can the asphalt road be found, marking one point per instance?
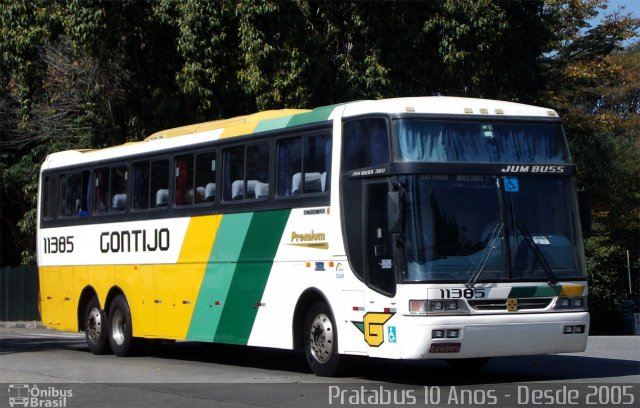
(57, 368)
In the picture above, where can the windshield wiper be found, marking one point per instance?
(534, 247)
(495, 234)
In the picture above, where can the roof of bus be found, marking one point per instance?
(286, 118)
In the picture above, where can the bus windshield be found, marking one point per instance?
(493, 228)
(425, 140)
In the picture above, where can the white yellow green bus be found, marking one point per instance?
(408, 228)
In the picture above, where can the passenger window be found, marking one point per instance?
(304, 164)
(365, 144)
(289, 164)
(141, 185)
(184, 194)
(317, 163)
(101, 190)
(234, 173)
(205, 188)
(62, 183)
(47, 199)
(118, 188)
(252, 184)
(159, 184)
(73, 194)
(257, 171)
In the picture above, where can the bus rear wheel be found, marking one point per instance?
(95, 328)
(120, 329)
(321, 342)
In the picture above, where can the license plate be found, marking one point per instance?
(444, 348)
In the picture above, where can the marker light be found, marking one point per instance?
(418, 306)
(453, 333)
(437, 334)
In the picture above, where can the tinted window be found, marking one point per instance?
(47, 199)
(309, 156)
(73, 194)
(159, 183)
(101, 190)
(493, 142)
(118, 188)
(184, 193)
(246, 172)
(365, 144)
(205, 177)
(140, 185)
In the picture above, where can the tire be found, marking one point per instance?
(96, 328)
(120, 329)
(321, 342)
(468, 363)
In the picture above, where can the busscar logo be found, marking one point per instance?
(25, 395)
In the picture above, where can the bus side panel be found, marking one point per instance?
(305, 259)
(50, 296)
(234, 283)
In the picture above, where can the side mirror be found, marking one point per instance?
(394, 212)
(584, 207)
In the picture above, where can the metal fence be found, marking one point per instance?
(19, 293)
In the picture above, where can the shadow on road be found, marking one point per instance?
(428, 372)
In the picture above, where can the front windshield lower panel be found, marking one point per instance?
(461, 228)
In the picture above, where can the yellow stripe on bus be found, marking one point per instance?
(250, 122)
(177, 286)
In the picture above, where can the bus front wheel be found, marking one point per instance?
(95, 328)
(321, 342)
(120, 330)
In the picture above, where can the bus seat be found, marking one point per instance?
(323, 181)
(237, 189)
(312, 183)
(210, 192)
(262, 189)
(201, 193)
(119, 202)
(162, 197)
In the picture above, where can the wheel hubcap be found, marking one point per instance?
(94, 325)
(321, 336)
(118, 326)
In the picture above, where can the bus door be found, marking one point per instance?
(380, 267)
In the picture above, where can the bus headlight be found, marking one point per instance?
(439, 306)
(576, 302)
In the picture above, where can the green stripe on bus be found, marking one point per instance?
(316, 115)
(250, 276)
(272, 124)
(218, 276)
(534, 291)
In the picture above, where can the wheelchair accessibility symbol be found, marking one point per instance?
(391, 334)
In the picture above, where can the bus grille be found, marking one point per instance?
(501, 304)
